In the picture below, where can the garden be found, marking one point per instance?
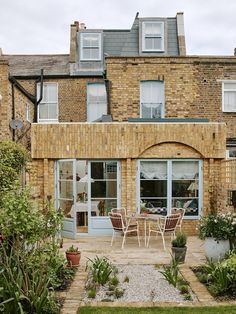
(31, 268)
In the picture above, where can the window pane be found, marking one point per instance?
(52, 111)
(156, 112)
(153, 206)
(151, 188)
(43, 111)
(153, 28)
(97, 101)
(66, 189)
(66, 170)
(90, 40)
(94, 53)
(51, 92)
(190, 205)
(106, 189)
(153, 170)
(230, 101)
(104, 170)
(156, 43)
(146, 111)
(230, 86)
(185, 170)
(184, 188)
(148, 43)
(104, 206)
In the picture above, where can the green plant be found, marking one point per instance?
(187, 297)
(92, 294)
(183, 289)
(219, 227)
(126, 279)
(72, 249)
(180, 240)
(119, 292)
(101, 269)
(171, 272)
(203, 278)
(114, 281)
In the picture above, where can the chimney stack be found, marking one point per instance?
(235, 52)
(180, 33)
(82, 26)
(76, 23)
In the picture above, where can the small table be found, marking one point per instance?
(145, 218)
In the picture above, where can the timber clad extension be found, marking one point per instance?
(163, 124)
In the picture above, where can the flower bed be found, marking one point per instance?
(141, 283)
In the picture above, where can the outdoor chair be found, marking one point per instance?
(181, 212)
(165, 225)
(122, 226)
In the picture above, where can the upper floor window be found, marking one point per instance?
(48, 107)
(229, 96)
(153, 36)
(96, 101)
(90, 46)
(152, 99)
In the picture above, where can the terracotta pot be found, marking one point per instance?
(73, 258)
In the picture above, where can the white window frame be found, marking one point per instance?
(144, 35)
(97, 103)
(82, 58)
(169, 184)
(228, 151)
(224, 89)
(163, 104)
(27, 112)
(48, 102)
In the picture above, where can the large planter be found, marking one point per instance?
(73, 258)
(216, 250)
(179, 253)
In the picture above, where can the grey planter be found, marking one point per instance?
(179, 253)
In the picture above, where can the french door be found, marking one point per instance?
(85, 192)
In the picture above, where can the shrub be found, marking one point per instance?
(126, 279)
(180, 240)
(114, 281)
(119, 292)
(183, 289)
(101, 269)
(171, 272)
(92, 294)
(219, 227)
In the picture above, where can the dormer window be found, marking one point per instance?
(90, 46)
(153, 36)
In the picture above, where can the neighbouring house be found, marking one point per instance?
(125, 119)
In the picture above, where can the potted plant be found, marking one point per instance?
(216, 230)
(179, 247)
(73, 256)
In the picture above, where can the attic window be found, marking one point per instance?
(90, 46)
(153, 36)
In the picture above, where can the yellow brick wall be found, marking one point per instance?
(5, 104)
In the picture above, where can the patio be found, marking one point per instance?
(132, 253)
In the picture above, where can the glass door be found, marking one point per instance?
(104, 194)
(65, 196)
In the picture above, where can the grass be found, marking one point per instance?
(158, 310)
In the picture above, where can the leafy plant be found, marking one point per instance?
(119, 292)
(101, 269)
(171, 272)
(180, 240)
(72, 249)
(219, 227)
(183, 289)
(126, 279)
(187, 297)
(114, 281)
(92, 294)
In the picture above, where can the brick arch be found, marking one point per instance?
(170, 149)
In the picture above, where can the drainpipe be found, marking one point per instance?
(40, 97)
(13, 109)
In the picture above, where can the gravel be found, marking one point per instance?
(146, 283)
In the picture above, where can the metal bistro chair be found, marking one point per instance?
(122, 226)
(165, 225)
(181, 212)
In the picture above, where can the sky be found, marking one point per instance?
(43, 26)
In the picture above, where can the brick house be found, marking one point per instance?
(126, 119)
